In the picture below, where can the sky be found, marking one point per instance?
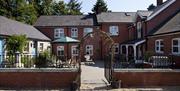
(118, 5)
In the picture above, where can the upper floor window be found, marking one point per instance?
(114, 30)
(176, 46)
(58, 32)
(60, 50)
(159, 46)
(87, 30)
(74, 51)
(139, 29)
(89, 49)
(74, 32)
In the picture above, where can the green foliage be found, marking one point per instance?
(43, 59)
(60, 8)
(99, 7)
(74, 7)
(27, 11)
(151, 7)
(19, 10)
(16, 43)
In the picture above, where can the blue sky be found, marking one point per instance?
(118, 5)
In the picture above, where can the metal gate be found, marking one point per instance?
(108, 68)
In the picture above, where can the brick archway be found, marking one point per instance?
(107, 69)
(100, 36)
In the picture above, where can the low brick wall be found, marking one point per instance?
(37, 78)
(147, 77)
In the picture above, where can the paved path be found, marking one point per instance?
(92, 76)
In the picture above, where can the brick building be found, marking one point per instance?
(131, 31)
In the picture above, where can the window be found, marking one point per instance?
(74, 32)
(58, 32)
(87, 30)
(74, 51)
(26, 48)
(159, 46)
(113, 30)
(176, 46)
(116, 45)
(60, 50)
(139, 28)
(41, 47)
(89, 49)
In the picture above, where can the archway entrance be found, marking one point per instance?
(95, 70)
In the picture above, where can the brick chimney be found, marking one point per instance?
(159, 2)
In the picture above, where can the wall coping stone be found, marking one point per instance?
(146, 70)
(39, 69)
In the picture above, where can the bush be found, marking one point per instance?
(43, 59)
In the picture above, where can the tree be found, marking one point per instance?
(74, 7)
(151, 7)
(43, 7)
(99, 7)
(16, 43)
(59, 8)
(19, 10)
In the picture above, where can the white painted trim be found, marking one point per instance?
(72, 47)
(75, 32)
(60, 30)
(160, 10)
(91, 48)
(158, 51)
(174, 53)
(59, 49)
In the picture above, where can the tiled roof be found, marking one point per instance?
(160, 8)
(66, 20)
(116, 17)
(173, 25)
(10, 27)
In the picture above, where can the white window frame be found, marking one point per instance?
(87, 30)
(58, 32)
(159, 46)
(90, 50)
(60, 48)
(116, 45)
(74, 32)
(74, 48)
(139, 29)
(113, 30)
(176, 53)
(41, 47)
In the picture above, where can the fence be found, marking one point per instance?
(40, 61)
(156, 61)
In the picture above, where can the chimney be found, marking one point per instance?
(159, 2)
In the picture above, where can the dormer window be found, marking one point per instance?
(114, 30)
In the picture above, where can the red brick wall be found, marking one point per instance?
(123, 34)
(49, 32)
(37, 79)
(158, 19)
(147, 79)
(167, 39)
